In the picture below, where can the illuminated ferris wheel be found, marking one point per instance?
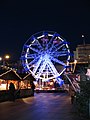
(45, 55)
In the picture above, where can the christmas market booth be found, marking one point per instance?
(8, 75)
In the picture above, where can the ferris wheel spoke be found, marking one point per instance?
(30, 56)
(38, 44)
(33, 61)
(51, 70)
(27, 67)
(63, 53)
(60, 43)
(58, 61)
(37, 65)
(60, 47)
(34, 49)
(54, 47)
(50, 41)
(52, 67)
(42, 67)
(35, 42)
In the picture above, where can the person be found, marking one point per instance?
(56, 85)
(11, 92)
(72, 96)
(32, 88)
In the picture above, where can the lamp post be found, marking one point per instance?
(83, 38)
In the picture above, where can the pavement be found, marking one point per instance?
(43, 106)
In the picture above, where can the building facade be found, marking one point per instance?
(82, 53)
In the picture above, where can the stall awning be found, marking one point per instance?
(10, 75)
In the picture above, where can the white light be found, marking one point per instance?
(75, 61)
(0, 58)
(7, 56)
(40, 37)
(82, 35)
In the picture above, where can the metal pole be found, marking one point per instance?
(71, 83)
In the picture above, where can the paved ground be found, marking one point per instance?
(43, 106)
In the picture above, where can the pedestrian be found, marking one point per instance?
(32, 88)
(11, 92)
(72, 96)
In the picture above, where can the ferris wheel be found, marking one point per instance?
(45, 55)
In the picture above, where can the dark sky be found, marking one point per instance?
(19, 19)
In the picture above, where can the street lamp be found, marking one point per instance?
(3, 59)
(7, 56)
(83, 38)
(0, 58)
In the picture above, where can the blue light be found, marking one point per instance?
(33, 37)
(60, 81)
(45, 33)
(56, 35)
(26, 46)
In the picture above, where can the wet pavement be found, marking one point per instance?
(43, 106)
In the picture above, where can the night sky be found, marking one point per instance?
(19, 19)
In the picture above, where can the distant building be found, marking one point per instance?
(82, 53)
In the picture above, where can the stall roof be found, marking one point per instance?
(29, 77)
(10, 75)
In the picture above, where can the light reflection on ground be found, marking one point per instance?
(28, 100)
